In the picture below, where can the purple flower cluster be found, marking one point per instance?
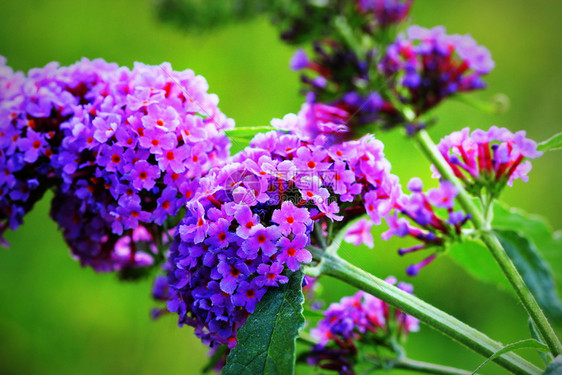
(386, 12)
(427, 66)
(418, 215)
(336, 75)
(124, 149)
(488, 159)
(250, 223)
(27, 138)
(356, 320)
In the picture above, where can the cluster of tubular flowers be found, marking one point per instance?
(422, 216)
(427, 66)
(488, 159)
(251, 221)
(27, 138)
(356, 320)
(333, 70)
(386, 12)
(123, 149)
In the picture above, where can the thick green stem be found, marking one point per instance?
(429, 368)
(525, 296)
(336, 267)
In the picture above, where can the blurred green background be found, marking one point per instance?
(57, 318)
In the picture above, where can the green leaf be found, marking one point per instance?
(266, 342)
(535, 228)
(523, 344)
(478, 262)
(546, 357)
(553, 143)
(555, 367)
(534, 270)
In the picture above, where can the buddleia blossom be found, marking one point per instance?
(125, 147)
(426, 66)
(28, 124)
(422, 216)
(489, 159)
(386, 12)
(336, 75)
(353, 325)
(250, 223)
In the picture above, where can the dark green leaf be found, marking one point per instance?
(553, 143)
(523, 344)
(479, 262)
(266, 343)
(534, 270)
(555, 367)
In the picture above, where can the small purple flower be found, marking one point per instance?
(293, 252)
(247, 295)
(443, 196)
(299, 60)
(246, 221)
(260, 239)
(144, 175)
(270, 275)
(291, 219)
(360, 233)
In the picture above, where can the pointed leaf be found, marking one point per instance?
(535, 271)
(478, 262)
(523, 344)
(553, 143)
(267, 341)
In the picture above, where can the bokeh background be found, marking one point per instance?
(57, 318)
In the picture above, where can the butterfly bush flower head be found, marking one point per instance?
(125, 147)
(355, 321)
(335, 75)
(427, 65)
(250, 222)
(386, 12)
(489, 159)
(29, 118)
(422, 216)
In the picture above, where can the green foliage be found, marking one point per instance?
(530, 243)
(534, 270)
(536, 229)
(266, 342)
(553, 143)
(478, 262)
(523, 344)
(202, 15)
(555, 367)
(546, 357)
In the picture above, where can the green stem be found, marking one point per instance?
(429, 368)
(338, 268)
(249, 129)
(525, 296)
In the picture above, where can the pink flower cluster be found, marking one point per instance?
(488, 159)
